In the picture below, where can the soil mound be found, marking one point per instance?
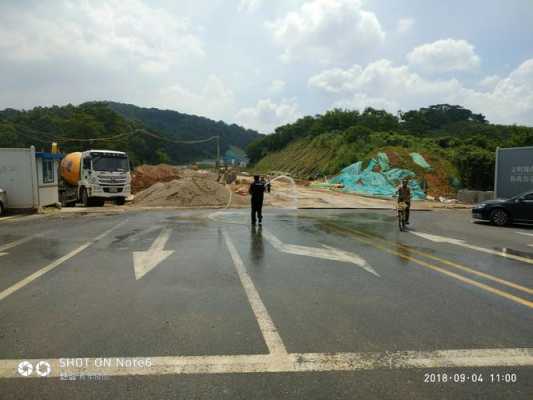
(186, 192)
(145, 176)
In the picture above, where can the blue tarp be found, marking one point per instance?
(420, 160)
(370, 182)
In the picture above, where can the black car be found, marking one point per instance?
(502, 212)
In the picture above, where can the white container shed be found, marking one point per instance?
(29, 177)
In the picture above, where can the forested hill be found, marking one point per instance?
(146, 134)
(324, 144)
(186, 127)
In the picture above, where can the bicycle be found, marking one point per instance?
(402, 216)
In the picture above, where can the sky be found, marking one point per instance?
(265, 63)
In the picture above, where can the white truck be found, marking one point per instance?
(94, 176)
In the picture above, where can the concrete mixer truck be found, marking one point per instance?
(94, 176)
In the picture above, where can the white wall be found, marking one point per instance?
(16, 177)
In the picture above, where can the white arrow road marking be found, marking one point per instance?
(524, 233)
(19, 285)
(3, 254)
(462, 243)
(16, 243)
(326, 253)
(292, 362)
(268, 329)
(145, 261)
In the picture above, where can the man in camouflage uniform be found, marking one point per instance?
(404, 195)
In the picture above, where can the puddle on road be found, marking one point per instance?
(120, 238)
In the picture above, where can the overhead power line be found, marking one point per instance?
(104, 139)
(121, 135)
(178, 141)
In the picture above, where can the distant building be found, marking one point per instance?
(30, 178)
(236, 157)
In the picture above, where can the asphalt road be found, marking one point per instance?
(312, 305)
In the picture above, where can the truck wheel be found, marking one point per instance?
(499, 217)
(120, 201)
(85, 198)
(2, 209)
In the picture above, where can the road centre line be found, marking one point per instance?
(422, 263)
(452, 264)
(19, 285)
(268, 329)
(293, 362)
(472, 271)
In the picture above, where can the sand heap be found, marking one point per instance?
(194, 189)
(145, 176)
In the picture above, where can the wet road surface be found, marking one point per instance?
(313, 304)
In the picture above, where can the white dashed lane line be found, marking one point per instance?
(268, 329)
(26, 281)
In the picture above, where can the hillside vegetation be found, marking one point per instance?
(457, 142)
(146, 134)
(185, 127)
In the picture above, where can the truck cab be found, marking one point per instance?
(103, 175)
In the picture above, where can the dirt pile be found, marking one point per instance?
(193, 189)
(145, 176)
(185, 192)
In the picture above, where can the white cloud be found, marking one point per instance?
(380, 84)
(267, 115)
(511, 100)
(214, 100)
(444, 55)
(99, 30)
(360, 101)
(490, 82)
(249, 5)
(404, 25)
(383, 81)
(276, 86)
(74, 51)
(327, 31)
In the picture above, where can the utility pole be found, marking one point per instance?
(218, 150)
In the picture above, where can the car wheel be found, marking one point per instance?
(499, 217)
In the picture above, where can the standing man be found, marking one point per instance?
(404, 195)
(257, 190)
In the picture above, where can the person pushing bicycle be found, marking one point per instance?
(404, 196)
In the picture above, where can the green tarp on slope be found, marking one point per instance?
(370, 182)
(420, 160)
